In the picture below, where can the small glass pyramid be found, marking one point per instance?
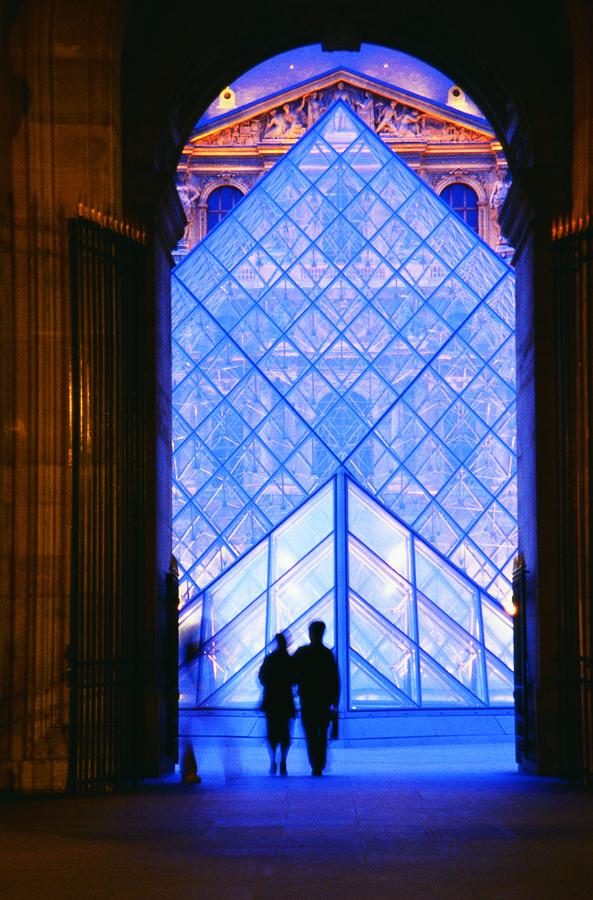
(343, 316)
(419, 632)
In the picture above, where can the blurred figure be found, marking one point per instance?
(276, 676)
(189, 765)
(318, 680)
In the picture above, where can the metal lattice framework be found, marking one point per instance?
(342, 317)
(409, 629)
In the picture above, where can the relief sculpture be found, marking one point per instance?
(390, 118)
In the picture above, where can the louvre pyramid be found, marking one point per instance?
(420, 633)
(343, 316)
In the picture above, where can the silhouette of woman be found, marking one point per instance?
(276, 676)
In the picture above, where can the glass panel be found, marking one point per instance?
(280, 496)
(303, 531)
(495, 533)
(492, 463)
(379, 531)
(193, 465)
(302, 586)
(236, 590)
(285, 242)
(396, 242)
(383, 648)
(297, 634)
(312, 333)
(453, 649)
(464, 498)
(242, 690)
(423, 212)
(457, 364)
(438, 689)
(447, 589)
(341, 429)
(190, 623)
(227, 652)
(313, 213)
(404, 496)
(246, 530)
(369, 333)
(369, 691)
(484, 332)
(200, 273)
(438, 529)
(312, 464)
(370, 397)
(426, 332)
(230, 243)
(192, 534)
(432, 464)
(255, 333)
(502, 299)
(481, 269)
(371, 464)
(212, 563)
(500, 682)
(498, 631)
(451, 241)
(385, 591)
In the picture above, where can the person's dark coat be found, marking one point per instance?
(277, 677)
(316, 674)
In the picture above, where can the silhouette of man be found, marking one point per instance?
(316, 674)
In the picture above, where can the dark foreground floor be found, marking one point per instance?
(424, 822)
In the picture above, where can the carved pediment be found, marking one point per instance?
(394, 114)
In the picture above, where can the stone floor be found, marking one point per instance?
(405, 822)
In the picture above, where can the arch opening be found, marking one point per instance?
(390, 121)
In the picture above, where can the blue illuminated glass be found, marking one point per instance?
(421, 633)
(342, 316)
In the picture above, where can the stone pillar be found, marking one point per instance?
(61, 97)
(527, 214)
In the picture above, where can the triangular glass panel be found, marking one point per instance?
(439, 689)
(453, 649)
(241, 690)
(500, 682)
(297, 633)
(303, 585)
(385, 648)
(368, 690)
(231, 649)
(384, 589)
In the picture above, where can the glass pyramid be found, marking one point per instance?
(418, 632)
(343, 316)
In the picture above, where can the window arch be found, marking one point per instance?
(220, 202)
(464, 201)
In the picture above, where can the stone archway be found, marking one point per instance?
(75, 127)
(522, 210)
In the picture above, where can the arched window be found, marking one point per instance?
(220, 202)
(464, 201)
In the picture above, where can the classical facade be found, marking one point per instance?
(445, 145)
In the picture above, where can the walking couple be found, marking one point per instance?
(315, 672)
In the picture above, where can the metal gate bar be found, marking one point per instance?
(573, 282)
(106, 653)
